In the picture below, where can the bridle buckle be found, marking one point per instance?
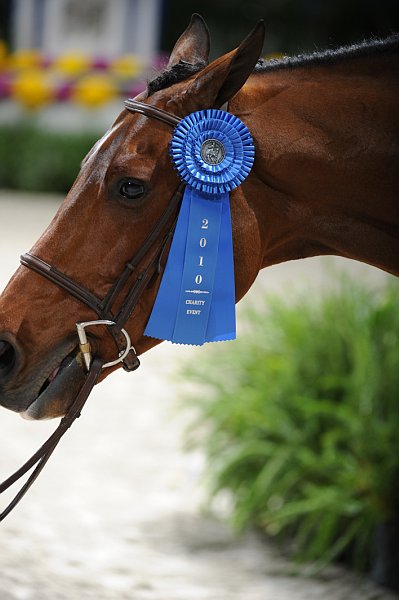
(85, 348)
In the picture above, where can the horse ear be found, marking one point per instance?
(219, 81)
(193, 44)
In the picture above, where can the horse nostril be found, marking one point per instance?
(8, 357)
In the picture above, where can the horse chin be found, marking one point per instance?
(57, 395)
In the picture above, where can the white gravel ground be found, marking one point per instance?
(115, 514)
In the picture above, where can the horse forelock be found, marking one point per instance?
(175, 74)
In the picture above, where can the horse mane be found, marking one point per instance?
(365, 49)
(183, 70)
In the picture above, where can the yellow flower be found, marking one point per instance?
(127, 66)
(3, 55)
(32, 89)
(72, 63)
(25, 59)
(94, 90)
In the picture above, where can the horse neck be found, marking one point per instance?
(326, 178)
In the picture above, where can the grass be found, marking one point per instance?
(299, 420)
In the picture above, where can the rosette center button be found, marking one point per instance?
(212, 152)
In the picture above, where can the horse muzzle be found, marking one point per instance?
(45, 392)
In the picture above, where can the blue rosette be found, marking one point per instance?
(213, 153)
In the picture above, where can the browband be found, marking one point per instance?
(152, 111)
(158, 113)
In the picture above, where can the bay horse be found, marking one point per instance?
(325, 181)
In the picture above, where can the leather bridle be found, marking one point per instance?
(145, 264)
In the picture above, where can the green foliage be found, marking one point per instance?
(300, 420)
(41, 161)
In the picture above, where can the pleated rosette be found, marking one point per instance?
(187, 151)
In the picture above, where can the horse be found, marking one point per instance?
(325, 181)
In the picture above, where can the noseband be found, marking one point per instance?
(145, 264)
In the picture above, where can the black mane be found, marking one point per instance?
(183, 70)
(365, 49)
(179, 72)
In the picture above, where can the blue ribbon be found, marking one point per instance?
(213, 152)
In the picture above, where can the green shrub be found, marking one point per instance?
(300, 419)
(41, 161)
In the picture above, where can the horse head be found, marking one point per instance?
(121, 193)
(324, 181)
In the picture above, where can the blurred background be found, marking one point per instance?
(294, 435)
(66, 65)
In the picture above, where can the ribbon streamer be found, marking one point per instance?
(213, 152)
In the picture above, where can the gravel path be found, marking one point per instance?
(115, 514)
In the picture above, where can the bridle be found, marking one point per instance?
(145, 264)
(103, 307)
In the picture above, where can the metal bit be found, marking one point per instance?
(84, 344)
(85, 348)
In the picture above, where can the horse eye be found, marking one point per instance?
(131, 189)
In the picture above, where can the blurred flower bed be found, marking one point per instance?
(35, 80)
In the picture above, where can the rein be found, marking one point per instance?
(103, 309)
